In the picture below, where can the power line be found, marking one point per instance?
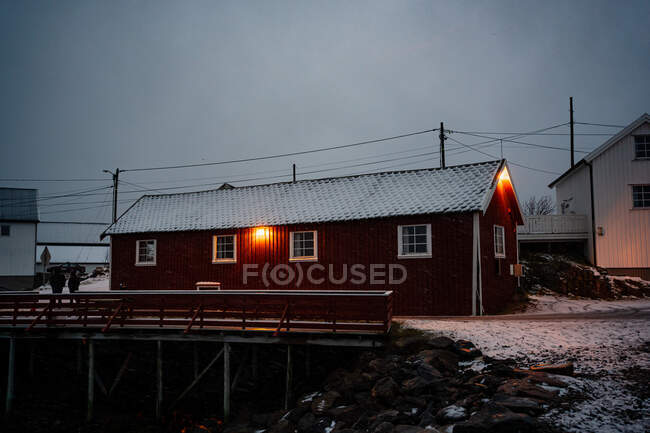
(395, 137)
(52, 180)
(521, 142)
(511, 162)
(600, 124)
(81, 193)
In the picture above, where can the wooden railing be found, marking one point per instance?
(347, 311)
(554, 224)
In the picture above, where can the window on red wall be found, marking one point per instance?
(499, 242)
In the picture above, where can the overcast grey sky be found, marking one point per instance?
(89, 85)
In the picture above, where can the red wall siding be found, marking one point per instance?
(440, 285)
(437, 285)
(498, 290)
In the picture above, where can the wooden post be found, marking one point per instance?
(79, 356)
(32, 360)
(289, 379)
(10, 375)
(159, 380)
(307, 361)
(571, 126)
(254, 362)
(226, 381)
(91, 380)
(195, 350)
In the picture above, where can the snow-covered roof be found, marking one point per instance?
(462, 188)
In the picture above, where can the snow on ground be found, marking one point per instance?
(605, 351)
(97, 284)
(545, 304)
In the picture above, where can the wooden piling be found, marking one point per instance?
(289, 379)
(159, 380)
(10, 375)
(254, 362)
(226, 381)
(195, 351)
(91, 380)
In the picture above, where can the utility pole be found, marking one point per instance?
(571, 123)
(442, 145)
(116, 178)
(294, 172)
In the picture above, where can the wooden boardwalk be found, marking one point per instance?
(269, 311)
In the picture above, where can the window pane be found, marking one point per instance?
(414, 240)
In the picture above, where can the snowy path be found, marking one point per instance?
(605, 340)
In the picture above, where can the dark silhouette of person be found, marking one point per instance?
(57, 281)
(73, 281)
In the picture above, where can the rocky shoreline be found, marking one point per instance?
(420, 383)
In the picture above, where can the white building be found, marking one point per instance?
(611, 186)
(76, 243)
(18, 219)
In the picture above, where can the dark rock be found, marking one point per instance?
(444, 360)
(466, 349)
(295, 414)
(427, 419)
(496, 419)
(321, 403)
(520, 387)
(451, 414)
(413, 401)
(411, 343)
(307, 422)
(385, 390)
(565, 368)
(383, 427)
(402, 428)
(389, 415)
(282, 426)
(428, 372)
(346, 414)
(518, 404)
(416, 385)
(379, 365)
(440, 343)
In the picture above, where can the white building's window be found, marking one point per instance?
(499, 242)
(224, 249)
(414, 241)
(642, 146)
(304, 245)
(145, 252)
(5, 230)
(641, 196)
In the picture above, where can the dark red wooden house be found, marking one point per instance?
(444, 240)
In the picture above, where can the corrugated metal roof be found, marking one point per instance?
(18, 204)
(70, 233)
(462, 188)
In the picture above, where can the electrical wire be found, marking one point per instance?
(599, 124)
(283, 155)
(509, 161)
(522, 142)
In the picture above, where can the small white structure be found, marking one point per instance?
(76, 243)
(18, 219)
(611, 186)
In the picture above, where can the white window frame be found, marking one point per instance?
(401, 254)
(293, 257)
(497, 254)
(137, 252)
(215, 240)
